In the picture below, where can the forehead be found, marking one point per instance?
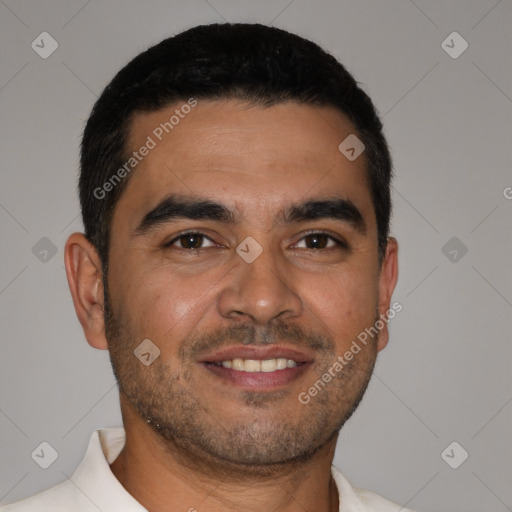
(242, 154)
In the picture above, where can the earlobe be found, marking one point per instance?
(83, 271)
(387, 282)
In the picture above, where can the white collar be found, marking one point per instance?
(98, 488)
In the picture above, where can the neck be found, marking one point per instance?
(165, 476)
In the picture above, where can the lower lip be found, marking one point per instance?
(258, 381)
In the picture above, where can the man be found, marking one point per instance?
(235, 192)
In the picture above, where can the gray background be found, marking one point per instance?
(446, 374)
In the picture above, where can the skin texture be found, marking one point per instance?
(209, 444)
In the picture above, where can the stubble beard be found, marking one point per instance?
(190, 429)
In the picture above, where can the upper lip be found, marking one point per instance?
(258, 353)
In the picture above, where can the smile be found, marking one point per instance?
(255, 365)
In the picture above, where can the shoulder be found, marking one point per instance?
(62, 497)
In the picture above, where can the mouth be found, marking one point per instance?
(256, 368)
(256, 365)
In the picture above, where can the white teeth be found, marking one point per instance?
(281, 363)
(250, 365)
(237, 364)
(255, 365)
(268, 365)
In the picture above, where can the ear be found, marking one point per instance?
(83, 270)
(387, 281)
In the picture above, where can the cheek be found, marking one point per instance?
(345, 301)
(164, 307)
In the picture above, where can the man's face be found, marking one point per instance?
(236, 171)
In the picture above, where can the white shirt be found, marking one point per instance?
(93, 487)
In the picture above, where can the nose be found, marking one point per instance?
(260, 291)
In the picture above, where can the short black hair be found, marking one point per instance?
(251, 62)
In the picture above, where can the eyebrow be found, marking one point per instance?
(332, 208)
(176, 207)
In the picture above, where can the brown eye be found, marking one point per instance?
(317, 241)
(191, 241)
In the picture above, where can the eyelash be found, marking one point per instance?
(340, 243)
